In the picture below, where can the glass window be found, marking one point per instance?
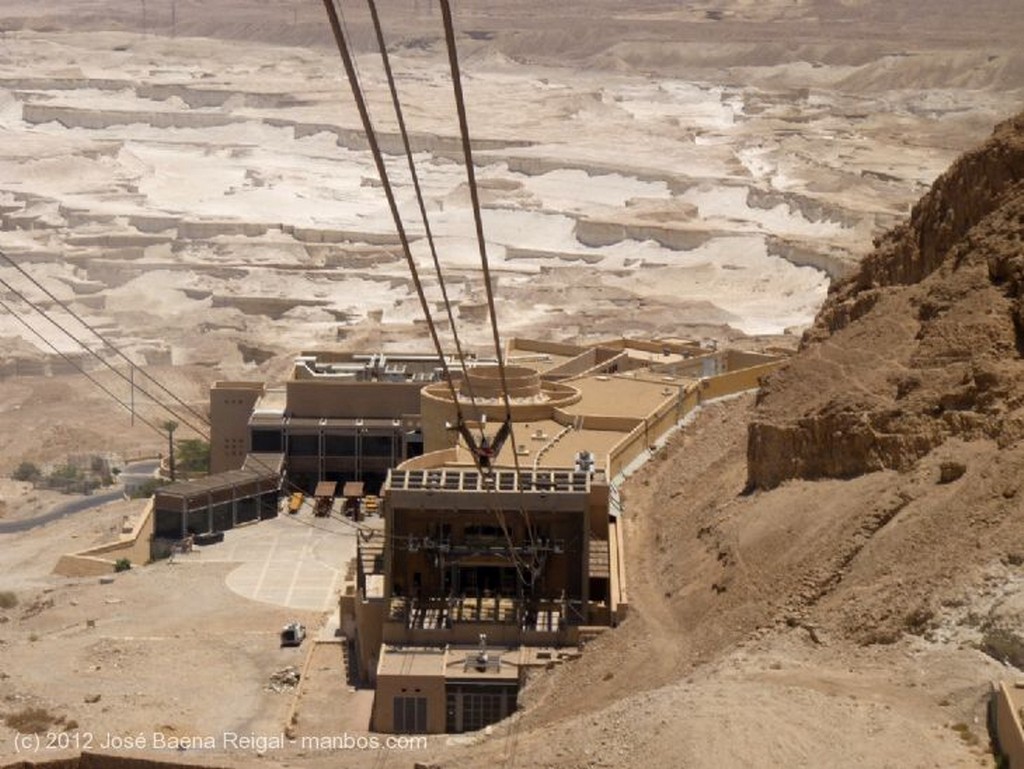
(410, 715)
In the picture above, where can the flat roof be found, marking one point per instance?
(550, 444)
(450, 662)
(410, 661)
(541, 355)
(622, 395)
(655, 357)
(273, 402)
(256, 468)
(325, 489)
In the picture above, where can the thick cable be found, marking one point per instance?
(467, 150)
(396, 102)
(378, 159)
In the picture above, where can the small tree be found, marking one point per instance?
(194, 455)
(27, 471)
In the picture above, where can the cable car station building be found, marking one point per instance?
(483, 564)
(521, 560)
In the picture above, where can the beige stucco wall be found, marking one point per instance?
(390, 686)
(100, 560)
(737, 381)
(1008, 727)
(369, 616)
(231, 403)
(355, 400)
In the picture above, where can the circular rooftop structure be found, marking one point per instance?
(485, 383)
(480, 394)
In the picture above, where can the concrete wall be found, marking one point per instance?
(430, 687)
(649, 430)
(369, 616)
(1009, 732)
(737, 381)
(518, 345)
(99, 561)
(354, 400)
(436, 409)
(231, 403)
(619, 598)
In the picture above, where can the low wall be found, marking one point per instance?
(1009, 732)
(737, 381)
(650, 430)
(99, 561)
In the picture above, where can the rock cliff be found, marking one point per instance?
(923, 343)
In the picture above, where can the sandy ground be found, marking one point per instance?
(697, 170)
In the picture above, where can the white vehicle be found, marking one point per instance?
(293, 634)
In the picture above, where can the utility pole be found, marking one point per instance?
(170, 426)
(174, 18)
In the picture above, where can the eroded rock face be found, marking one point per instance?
(922, 344)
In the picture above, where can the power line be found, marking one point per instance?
(101, 359)
(100, 336)
(80, 368)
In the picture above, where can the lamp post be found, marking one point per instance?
(170, 426)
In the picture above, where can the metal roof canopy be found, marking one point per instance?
(325, 489)
(258, 469)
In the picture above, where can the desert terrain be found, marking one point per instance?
(808, 583)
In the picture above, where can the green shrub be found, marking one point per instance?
(193, 456)
(122, 564)
(27, 471)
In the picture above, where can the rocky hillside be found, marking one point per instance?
(923, 344)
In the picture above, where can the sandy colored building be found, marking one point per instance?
(476, 569)
(482, 562)
(339, 417)
(527, 552)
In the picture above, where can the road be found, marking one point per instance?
(133, 472)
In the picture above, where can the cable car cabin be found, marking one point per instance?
(353, 493)
(324, 494)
